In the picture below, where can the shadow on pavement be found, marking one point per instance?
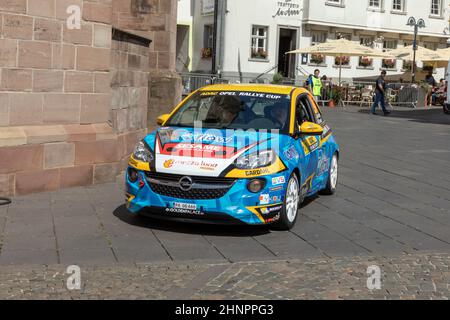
(189, 228)
(431, 116)
(197, 228)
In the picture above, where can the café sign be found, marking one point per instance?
(288, 8)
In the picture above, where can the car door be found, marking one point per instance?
(309, 145)
(325, 150)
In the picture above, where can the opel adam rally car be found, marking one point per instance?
(244, 154)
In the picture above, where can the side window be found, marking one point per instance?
(304, 111)
(316, 111)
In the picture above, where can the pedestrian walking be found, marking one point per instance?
(380, 94)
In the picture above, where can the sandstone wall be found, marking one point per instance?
(73, 103)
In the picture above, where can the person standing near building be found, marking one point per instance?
(315, 85)
(380, 93)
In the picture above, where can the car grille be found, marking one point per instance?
(204, 188)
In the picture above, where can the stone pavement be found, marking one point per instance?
(393, 199)
(402, 277)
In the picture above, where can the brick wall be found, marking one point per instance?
(73, 103)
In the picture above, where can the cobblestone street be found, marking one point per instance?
(392, 209)
(403, 277)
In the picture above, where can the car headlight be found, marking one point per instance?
(256, 160)
(142, 153)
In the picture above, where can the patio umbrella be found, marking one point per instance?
(341, 48)
(444, 52)
(422, 54)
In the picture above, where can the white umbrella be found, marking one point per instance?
(422, 54)
(341, 48)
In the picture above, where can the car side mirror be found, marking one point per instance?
(162, 119)
(311, 129)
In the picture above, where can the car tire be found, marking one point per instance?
(446, 109)
(332, 181)
(289, 212)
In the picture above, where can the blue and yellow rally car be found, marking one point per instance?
(244, 154)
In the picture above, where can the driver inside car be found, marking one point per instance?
(224, 110)
(279, 114)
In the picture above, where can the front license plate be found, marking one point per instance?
(185, 206)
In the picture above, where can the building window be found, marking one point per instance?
(345, 61)
(259, 42)
(366, 62)
(335, 2)
(208, 39)
(436, 7)
(398, 5)
(318, 37)
(389, 45)
(375, 4)
(431, 45)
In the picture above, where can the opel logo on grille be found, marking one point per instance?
(186, 183)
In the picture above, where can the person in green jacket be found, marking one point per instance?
(316, 85)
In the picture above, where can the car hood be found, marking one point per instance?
(207, 152)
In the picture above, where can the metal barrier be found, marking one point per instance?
(356, 93)
(194, 81)
(397, 94)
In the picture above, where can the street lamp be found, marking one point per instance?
(412, 22)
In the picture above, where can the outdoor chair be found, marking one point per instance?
(366, 96)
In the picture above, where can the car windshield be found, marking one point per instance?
(234, 110)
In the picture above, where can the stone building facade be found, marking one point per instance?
(74, 102)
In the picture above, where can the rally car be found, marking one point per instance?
(246, 154)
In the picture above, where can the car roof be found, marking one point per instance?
(263, 88)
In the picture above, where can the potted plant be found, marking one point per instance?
(365, 62)
(389, 63)
(342, 61)
(259, 54)
(277, 78)
(335, 97)
(206, 53)
(407, 65)
(317, 59)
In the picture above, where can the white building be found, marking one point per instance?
(253, 35)
(184, 36)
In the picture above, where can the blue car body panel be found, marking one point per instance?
(308, 156)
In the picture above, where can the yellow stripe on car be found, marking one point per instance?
(254, 210)
(278, 166)
(130, 198)
(139, 165)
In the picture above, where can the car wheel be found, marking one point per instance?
(289, 212)
(332, 177)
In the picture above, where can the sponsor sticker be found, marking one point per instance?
(251, 95)
(168, 164)
(278, 180)
(276, 198)
(264, 199)
(185, 211)
(274, 219)
(291, 153)
(323, 165)
(257, 172)
(276, 189)
(312, 143)
(188, 136)
(270, 210)
(200, 164)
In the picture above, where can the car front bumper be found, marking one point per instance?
(236, 206)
